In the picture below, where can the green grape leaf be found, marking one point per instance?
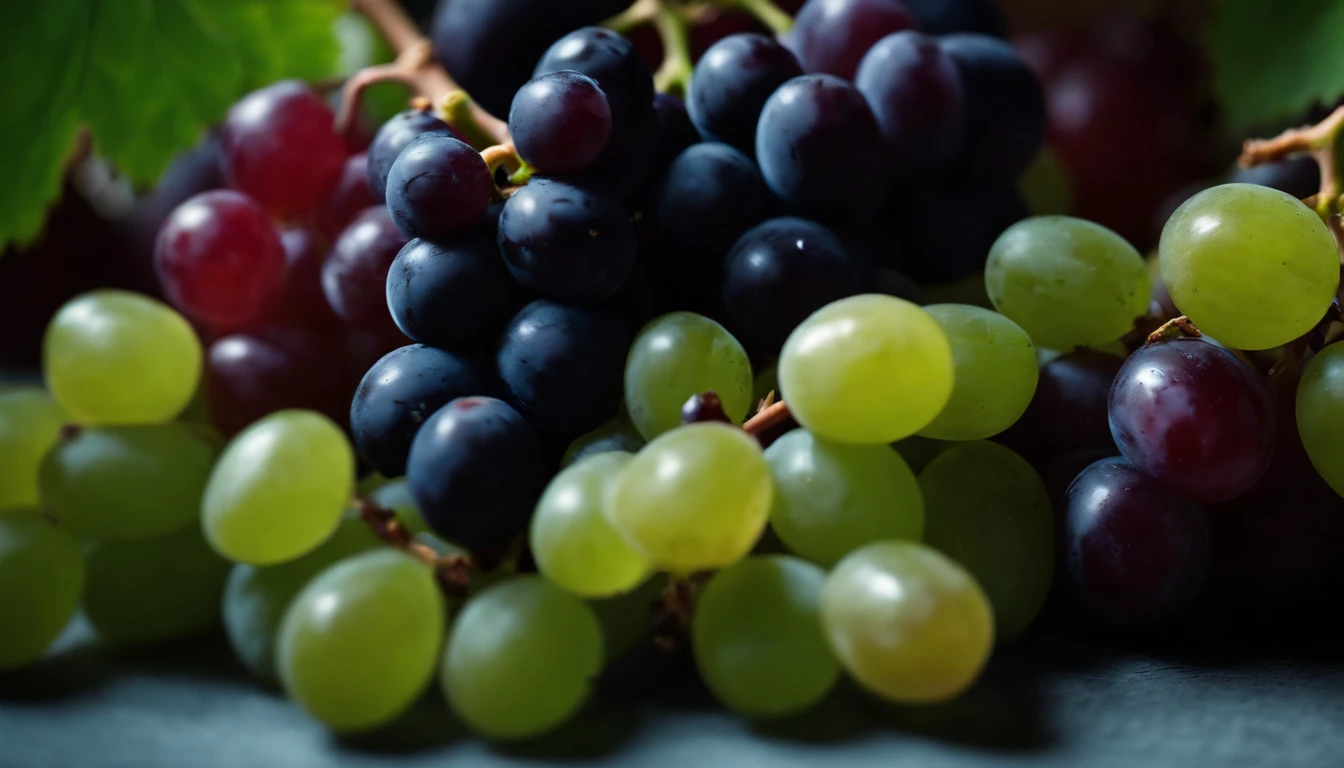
(145, 77)
(1272, 60)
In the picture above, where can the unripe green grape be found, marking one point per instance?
(615, 435)
(994, 375)
(41, 577)
(1320, 414)
(30, 422)
(679, 355)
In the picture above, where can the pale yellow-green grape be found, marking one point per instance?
(115, 357)
(994, 373)
(1250, 265)
(627, 619)
(395, 496)
(908, 623)
(30, 422)
(41, 576)
(615, 435)
(867, 369)
(679, 355)
(279, 488)
(571, 540)
(832, 498)
(695, 498)
(1320, 414)
(1068, 282)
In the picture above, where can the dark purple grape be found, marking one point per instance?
(675, 131)
(1298, 176)
(731, 84)
(944, 17)
(946, 239)
(438, 186)
(354, 276)
(1190, 414)
(345, 200)
(249, 375)
(1067, 413)
(393, 137)
(560, 122)
(708, 197)
(1134, 552)
(916, 95)
(705, 406)
(831, 36)
(1005, 107)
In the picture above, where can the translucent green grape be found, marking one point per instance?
(907, 623)
(679, 355)
(988, 510)
(571, 540)
(127, 483)
(1320, 414)
(919, 451)
(1250, 265)
(832, 498)
(359, 644)
(521, 658)
(695, 498)
(41, 576)
(613, 436)
(626, 619)
(279, 488)
(867, 369)
(994, 375)
(757, 636)
(1068, 282)
(255, 599)
(395, 496)
(153, 590)
(115, 357)
(30, 422)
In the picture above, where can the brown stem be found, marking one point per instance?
(1316, 140)
(1178, 326)
(452, 571)
(501, 155)
(676, 608)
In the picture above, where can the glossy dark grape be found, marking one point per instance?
(347, 198)
(944, 237)
(731, 84)
(1193, 416)
(1005, 107)
(249, 375)
(708, 197)
(1298, 176)
(820, 149)
(705, 406)
(916, 95)
(831, 36)
(1134, 552)
(400, 392)
(437, 186)
(565, 242)
(560, 122)
(392, 137)
(475, 471)
(563, 365)
(943, 17)
(354, 276)
(1068, 411)
(675, 131)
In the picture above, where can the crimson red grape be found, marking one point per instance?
(560, 122)
(249, 375)
(916, 95)
(731, 84)
(345, 200)
(831, 36)
(354, 276)
(393, 137)
(437, 186)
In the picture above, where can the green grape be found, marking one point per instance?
(115, 357)
(279, 488)
(1249, 264)
(612, 436)
(626, 619)
(255, 599)
(1045, 186)
(919, 451)
(679, 355)
(571, 540)
(867, 369)
(1068, 282)
(41, 576)
(358, 645)
(1320, 414)
(154, 589)
(757, 636)
(832, 498)
(127, 483)
(521, 658)
(30, 422)
(907, 623)
(395, 496)
(988, 510)
(695, 498)
(766, 381)
(994, 373)
(370, 483)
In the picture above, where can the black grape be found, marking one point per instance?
(943, 17)
(1298, 176)
(452, 293)
(831, 36)
(916, 95)
(437, 186)
(1005, 107)
(560, 122)
(708, 197)
(393, 137)
(945, 236)
(675, 131)
(731, 84)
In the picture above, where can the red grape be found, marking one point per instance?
(350, 196)
(354, 276)
(249, 375)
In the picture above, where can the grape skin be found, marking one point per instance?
(354, 274)
(560, 122)
(994, 373)
(731, 83)
(916, 95)
(1320, 395)
(392, 137)
(438, 185)
(679, 355)
(30, 423)
(709, 196)
(832, 35)
(41, 577)
(611, 436)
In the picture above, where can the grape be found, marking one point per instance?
(475, 470)
(560, 122)
(1319, 398)
(354, 275)
(867, 369)
(1298, 176)
(30, 422)
(562, 365)
(709, 196)
(627, 619)
(124, 483)
(302, 301)
(833, 35)
(400, 392)
(916, 95)
(255, 599)
(279, 488)
(784, 270)
(731, 84)
(392, 137)
(438, 185)
(988, 510)
(1068, 282)
(521, 658)
(395, 496)
(757, 636)
(41, 576)
(611, 436)
(250, 375)
(943, 17)
(1068, 411)
(994, 373)
(350, 196)
(565, 242)
(1134, 551)
(695, 498)
(573, 543)
(941, 243)
(1005, 107)
(907, 623)
(358, 645)
(676, 134)
(833, 498)
(812, 131)
(1241, 230)
(1191, 415)
(919, 451)
(679, 355)
(152, 590)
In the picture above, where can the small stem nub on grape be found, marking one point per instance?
(453, 572)
(1174, 328)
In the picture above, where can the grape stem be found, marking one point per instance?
(643, 12)
(673, 25)
(452, 571)
(777, 19)
(1319, 141)
(1174, 328)
(676, 608)
(770, 422)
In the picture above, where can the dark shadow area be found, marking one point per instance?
(428, 725)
